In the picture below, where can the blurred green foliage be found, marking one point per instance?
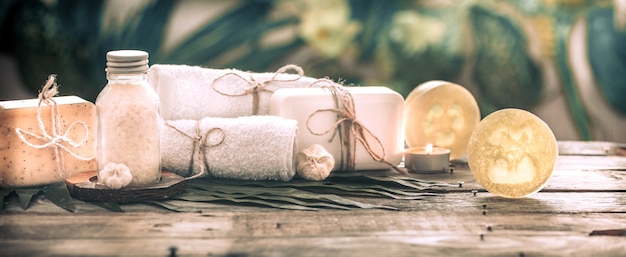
(397, 43)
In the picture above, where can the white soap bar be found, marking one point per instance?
(379, 109)
(24, 165)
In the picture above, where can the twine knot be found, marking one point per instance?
(58, 137)
(200, 145)
(256, 87)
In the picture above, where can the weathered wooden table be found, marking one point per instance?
(581, 212)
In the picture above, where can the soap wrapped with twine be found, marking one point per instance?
(193, 92)
(244, 148)
(56, 131)
(347, 128)
(360, 126)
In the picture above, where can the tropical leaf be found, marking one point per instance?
(607, 56)
(312, 195)
(114, 207)
(504, 71)
(577, 109)
(277, 194)
(172, 207)
(222, 34)
(26, 195)
(219, 198)
(4, 192)
(370, 13)
(58, 194)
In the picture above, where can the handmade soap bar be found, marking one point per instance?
(512, 153)
(22, 164)
(440, 113)
(377, 109)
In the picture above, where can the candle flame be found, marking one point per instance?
(429, 148)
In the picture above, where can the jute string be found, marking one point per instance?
(256, 87)
(200, 145)
(348, 127)
(57, 137)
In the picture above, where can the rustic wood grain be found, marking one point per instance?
(296, 233)
(586, 194)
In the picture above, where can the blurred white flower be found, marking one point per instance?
(416, 32)
(115, 175)
(327, 27)
(620, 14)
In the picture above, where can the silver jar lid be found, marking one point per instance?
(127, 61)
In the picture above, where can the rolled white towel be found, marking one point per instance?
(245, 148)
(192, 92)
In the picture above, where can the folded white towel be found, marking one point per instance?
(192, 92)
(246, 148)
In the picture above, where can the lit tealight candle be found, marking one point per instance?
(428, 159)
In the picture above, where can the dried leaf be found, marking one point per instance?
(406, 182)
(59, 195)
(172, 207)
(367, 189)
(26, 195)
(310, 194)
(4, 192)
(204, 197)
(268, 200)
(111, 206)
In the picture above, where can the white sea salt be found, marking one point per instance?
(128, 120)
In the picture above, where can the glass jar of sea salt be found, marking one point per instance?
(128, 118)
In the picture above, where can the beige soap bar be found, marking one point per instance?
(441, 113)
(24, 165)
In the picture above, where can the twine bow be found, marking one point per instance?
(200, 144)
(58, 136)
(256, 87)
(349, 128)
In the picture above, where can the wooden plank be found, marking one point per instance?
(297, 233)
(573, 174)
(404, 244)
(602, 183)
(542, 202)
(585, 194)
(590, 148)
(452, 204)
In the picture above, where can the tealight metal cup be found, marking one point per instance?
(419, 160)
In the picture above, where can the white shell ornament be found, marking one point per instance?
(115, 175)
(314, 163)
(512, 153)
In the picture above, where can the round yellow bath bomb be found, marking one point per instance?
(440, 113)
(512, 153)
